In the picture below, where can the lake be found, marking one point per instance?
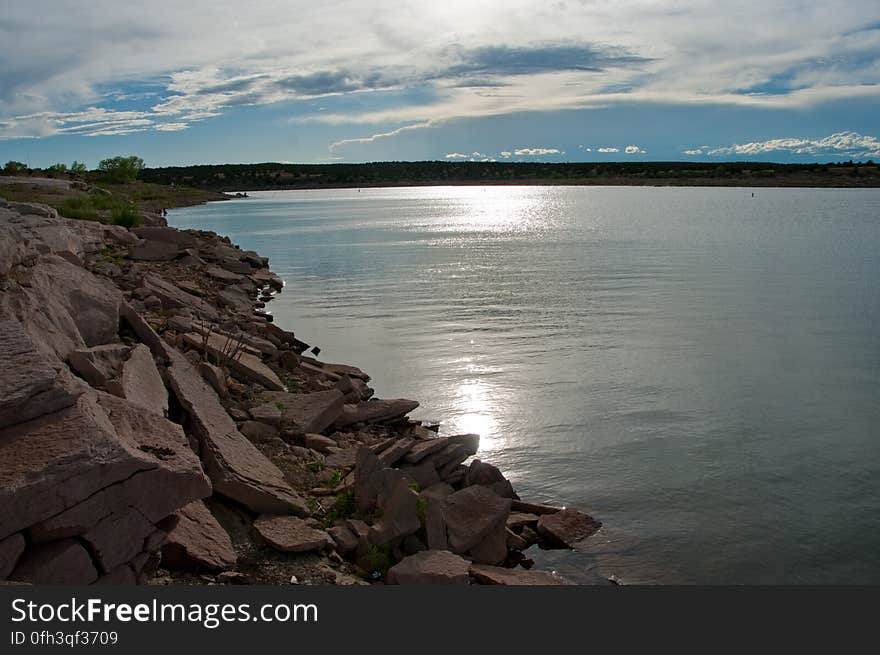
(698, 368)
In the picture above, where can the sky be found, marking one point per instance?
(219, 81)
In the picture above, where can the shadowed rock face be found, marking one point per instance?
(236, 468)
(197, 541)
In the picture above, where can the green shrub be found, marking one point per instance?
(78, 207)
(121, 169)
(126, 215)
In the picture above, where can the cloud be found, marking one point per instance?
(506, 154)
(380, 135)
(694, 151)
(456, 155)
(608, 149)
(841, 144)
(537, 152)
(420, 64)
(633, 150)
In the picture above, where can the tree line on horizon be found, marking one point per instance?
(119, 170)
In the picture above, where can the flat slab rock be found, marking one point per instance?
(499, 575)
(197, 541)
(375, 411)
(291, 535)
(236, 467)
(430, 567)
(246, 365)
(567, 527)
(141, 383)
(311, 412)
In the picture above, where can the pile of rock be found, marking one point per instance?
(156, 425)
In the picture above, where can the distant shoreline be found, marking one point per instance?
(276, 176)
(729, 184)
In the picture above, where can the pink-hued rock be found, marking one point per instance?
(245, 365)
(430, 567)
(29, 385)
(375, 411)
(172, 467)
(567, 527)
(497, 575)
(472, 515)
(399, 514)
(198, 541)
(118, 538)
(11, 549)
(174, 298)
(237, 469)
(56, 461)
(290, 534)
(58, 563)
(100, 364)
(141, 383)
(310, 412)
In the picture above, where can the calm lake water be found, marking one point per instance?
(697, 368)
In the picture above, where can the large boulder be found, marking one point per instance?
(30, 386)
(197, 541)
(472, 515)
(175, 470)
(430, 567)
(237, 469)
(65, 307)
(400, 515)
(51, 463)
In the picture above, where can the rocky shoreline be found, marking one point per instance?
(157, 427)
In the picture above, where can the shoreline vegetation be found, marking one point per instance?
(157, 427)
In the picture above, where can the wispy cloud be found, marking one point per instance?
(633, 150)
(607, 149)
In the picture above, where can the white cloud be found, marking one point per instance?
(506, 154)
(695, 151)
(841, 144)
(608, 149)
(456, 155)
(60, 56)
(633, 150)
(537, 152)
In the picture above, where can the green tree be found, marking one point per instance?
(57, 168)
(15, 168)
(121, 169)
(78, 168)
